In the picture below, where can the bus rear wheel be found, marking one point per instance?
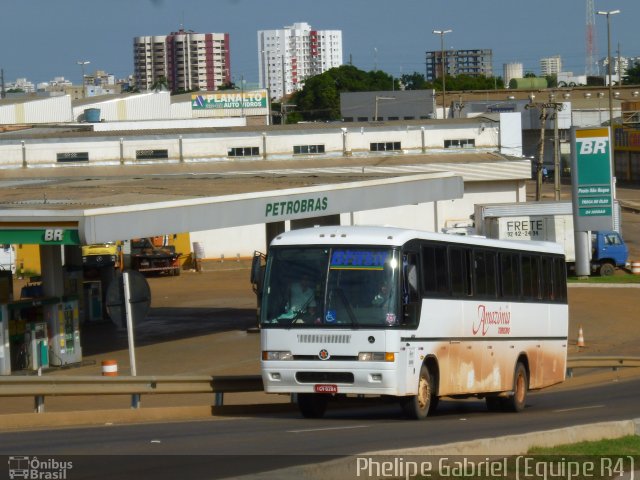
(517, 400)
(312, 405)
(419, 406)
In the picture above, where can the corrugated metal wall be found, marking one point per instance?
(45, 110)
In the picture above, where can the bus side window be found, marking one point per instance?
(460, 271)
(435, 281)
(410, 272)
(548, 290)
(560, 276)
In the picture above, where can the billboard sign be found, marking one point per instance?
(592, 179)
(230, 99)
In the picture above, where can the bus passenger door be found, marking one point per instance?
(411, 299)
(410, 364)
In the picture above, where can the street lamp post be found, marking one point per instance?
(82, 63)
(608, 15)
(375, 115)
(442, 33)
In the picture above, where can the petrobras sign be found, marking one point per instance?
(313, 206)
(230, 99)
(592, 179)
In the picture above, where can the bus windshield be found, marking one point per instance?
(324, 287)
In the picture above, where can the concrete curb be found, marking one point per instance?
(503, 446)
(92, 418)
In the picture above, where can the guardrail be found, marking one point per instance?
(43, 386)
(597, 361)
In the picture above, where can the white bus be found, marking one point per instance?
(412, 315)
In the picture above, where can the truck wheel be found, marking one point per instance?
(419, 406)
(312, 405)
(606, 270)
(517, 400)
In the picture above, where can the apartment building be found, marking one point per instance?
(188, 60)
(288, 56)
(550, 65)
(474, 63)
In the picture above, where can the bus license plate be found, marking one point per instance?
(322, 388)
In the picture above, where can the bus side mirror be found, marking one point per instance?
(257, 270)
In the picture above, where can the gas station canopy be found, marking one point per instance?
(85, 209)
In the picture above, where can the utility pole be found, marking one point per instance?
(82, 64)
(540, 164)
(242, 95)
(442, 33)
(556, 107)
(556, 157)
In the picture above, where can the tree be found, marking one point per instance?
(415, 81)
(228, 85)
(160, 83)
(319, 100)
(633, 75)
(468, 82)
(552, 81)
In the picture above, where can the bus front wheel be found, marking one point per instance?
(312, 405)
(418, 406)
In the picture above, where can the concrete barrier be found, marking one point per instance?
(488, 447)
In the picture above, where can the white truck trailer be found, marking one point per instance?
(551, 221)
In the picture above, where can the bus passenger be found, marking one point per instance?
(301, 295)
(382, 297)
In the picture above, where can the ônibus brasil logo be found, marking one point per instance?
(35, 468)
(488, 318)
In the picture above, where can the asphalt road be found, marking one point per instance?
(219, 448)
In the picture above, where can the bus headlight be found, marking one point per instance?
(277, 355)
(376, 357)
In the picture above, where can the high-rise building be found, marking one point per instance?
(619, 65)
(287, 57)
(550, 65)
(474, 63)
(187, 60)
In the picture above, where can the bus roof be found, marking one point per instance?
(394, 236)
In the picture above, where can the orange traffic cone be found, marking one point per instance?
(580, 337)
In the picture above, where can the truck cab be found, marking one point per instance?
(608, 251)
(100, 255)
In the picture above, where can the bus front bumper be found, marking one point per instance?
(358, 378)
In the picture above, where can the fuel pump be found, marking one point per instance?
(63, 322)
(37, 343)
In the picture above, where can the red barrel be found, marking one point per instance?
(109, 368)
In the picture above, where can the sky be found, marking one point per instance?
(43, 39)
